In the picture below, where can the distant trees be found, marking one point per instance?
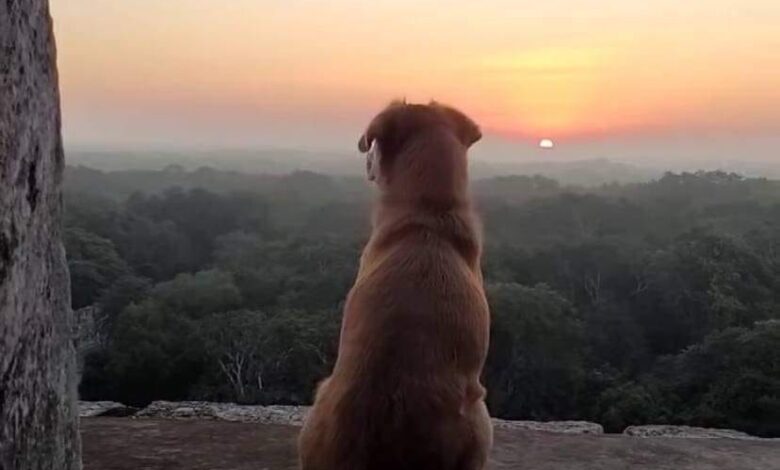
(641, 303)
(536, 353)
(263, 355)
(94, 265)
(238, 342)
(730, 379)
(188, 338)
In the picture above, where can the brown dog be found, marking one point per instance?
(405, 391)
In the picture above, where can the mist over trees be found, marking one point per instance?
(622, 304)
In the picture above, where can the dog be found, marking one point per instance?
(405, 391)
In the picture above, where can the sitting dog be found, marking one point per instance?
(405, 392)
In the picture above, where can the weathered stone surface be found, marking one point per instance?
(89, 409)
(656, 430)
(38, 413)
(561, 427)
(275, 414)
(294, 416)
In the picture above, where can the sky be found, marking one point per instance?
(646, 81)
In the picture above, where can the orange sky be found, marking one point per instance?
(293, 72)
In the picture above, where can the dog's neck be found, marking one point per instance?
(450, 219)
(457, 225)
(430, 175)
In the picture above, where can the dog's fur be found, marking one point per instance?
(405, 392)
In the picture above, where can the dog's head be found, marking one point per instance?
(400, 124)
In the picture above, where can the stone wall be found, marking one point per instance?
(38, 413)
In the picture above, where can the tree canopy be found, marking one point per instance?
(622, 304)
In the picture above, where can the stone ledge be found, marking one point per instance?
(561, 427)
(88, 409)
(295, 415)
(690, 432)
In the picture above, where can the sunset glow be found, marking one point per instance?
(142, 70)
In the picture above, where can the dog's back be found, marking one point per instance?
(405, 391)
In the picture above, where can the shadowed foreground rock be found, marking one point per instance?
(196, 444)
(38, 415)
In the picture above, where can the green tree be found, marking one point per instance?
(196, 295)
(535, 364)
(237, 342)
(124, 291)
(262, 357)
(629, 403)
(156, 349)
(731, 379)
(94, 264)
(155, 353)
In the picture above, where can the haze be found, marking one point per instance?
(649, 82)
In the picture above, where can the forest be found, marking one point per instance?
(654, 302)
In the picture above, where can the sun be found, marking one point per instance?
(546, 144)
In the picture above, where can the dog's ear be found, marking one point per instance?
(373, 162)
(364, 144)
(376, 131)
(468, 131)
(381, 129)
